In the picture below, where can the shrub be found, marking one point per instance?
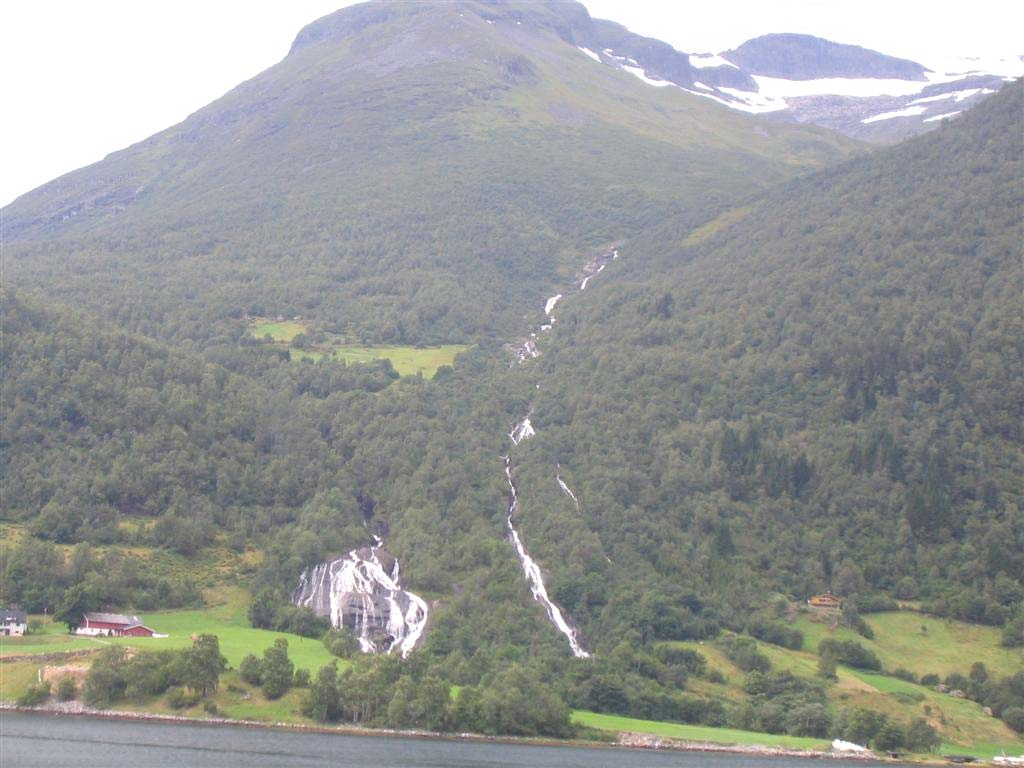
(931, 680)
(35, 694)
(776, 634)
(850, 652)
(1013, 633)
(890, 737)
(1014, 717)
(250, 670)
(921, 737)
(66, 689)
(301, 678)
(276, 669)
(341, 643)
(827, 666)
(904, 674)
(742, 651)
(179, 698)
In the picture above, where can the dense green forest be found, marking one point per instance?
(776, 390)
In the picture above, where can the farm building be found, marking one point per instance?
(826, 600)
(113, 625)
(13, 622)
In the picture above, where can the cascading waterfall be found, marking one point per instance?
(523, 430)
(533, 573)
(566, 490)
(357, 592)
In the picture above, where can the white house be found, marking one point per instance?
(13, 622)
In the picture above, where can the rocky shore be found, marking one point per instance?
(649, 741)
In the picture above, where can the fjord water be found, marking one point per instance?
(48, 740)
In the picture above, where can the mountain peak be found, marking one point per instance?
(805, 57)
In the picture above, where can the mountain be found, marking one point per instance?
(715, 364)
(809, 80)
(805, 57)
(360, 182)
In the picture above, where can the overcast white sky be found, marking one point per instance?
(82, 79)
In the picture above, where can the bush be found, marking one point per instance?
(301, 678)
(850, 652)
(776, 634)
(1013, 633)
(921, 737)
(276, 670)
(210, 708)
(876, 603)
(1014, 717)
(35, 694)
(931, 680)
(250, 670)
(179, 698)
(904, 674)
(687, 658)
(827, 666)
(742, 651)
(66, 689)
(890, 737)
(341, 643)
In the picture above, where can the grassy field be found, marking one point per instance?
(923, 644)
(225, 617)
(279, 330)
(407, 361)
(692, 732)
(944, 646)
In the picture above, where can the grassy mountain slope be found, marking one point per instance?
(409, 173)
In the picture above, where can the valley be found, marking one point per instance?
(487, 368)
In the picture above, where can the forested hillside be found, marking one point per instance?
(820, 390)
(412, 175)
(748, 387)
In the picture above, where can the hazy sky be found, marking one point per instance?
(82, 79)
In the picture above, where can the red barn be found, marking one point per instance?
(113, 625)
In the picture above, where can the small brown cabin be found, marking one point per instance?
(826, 600)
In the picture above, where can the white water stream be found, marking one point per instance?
(565, 489)
(523, 430)
(533, 573)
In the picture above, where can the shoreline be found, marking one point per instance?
(623, 740)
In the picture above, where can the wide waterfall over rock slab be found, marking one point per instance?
(357, 592)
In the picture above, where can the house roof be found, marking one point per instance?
(13, 616)
(112, 618)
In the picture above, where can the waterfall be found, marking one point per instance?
(524, 430)
(357, 592)
(533, 573)
(566, 490)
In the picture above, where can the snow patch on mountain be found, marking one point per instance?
(908, 112)
(935, 118)
(708, 61)
(639, 73)
(589, 53)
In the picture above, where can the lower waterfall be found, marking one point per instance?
(357, 592)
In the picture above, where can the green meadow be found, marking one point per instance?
(692, 732)
(923, 644)
(225, 618)
(407, 361)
